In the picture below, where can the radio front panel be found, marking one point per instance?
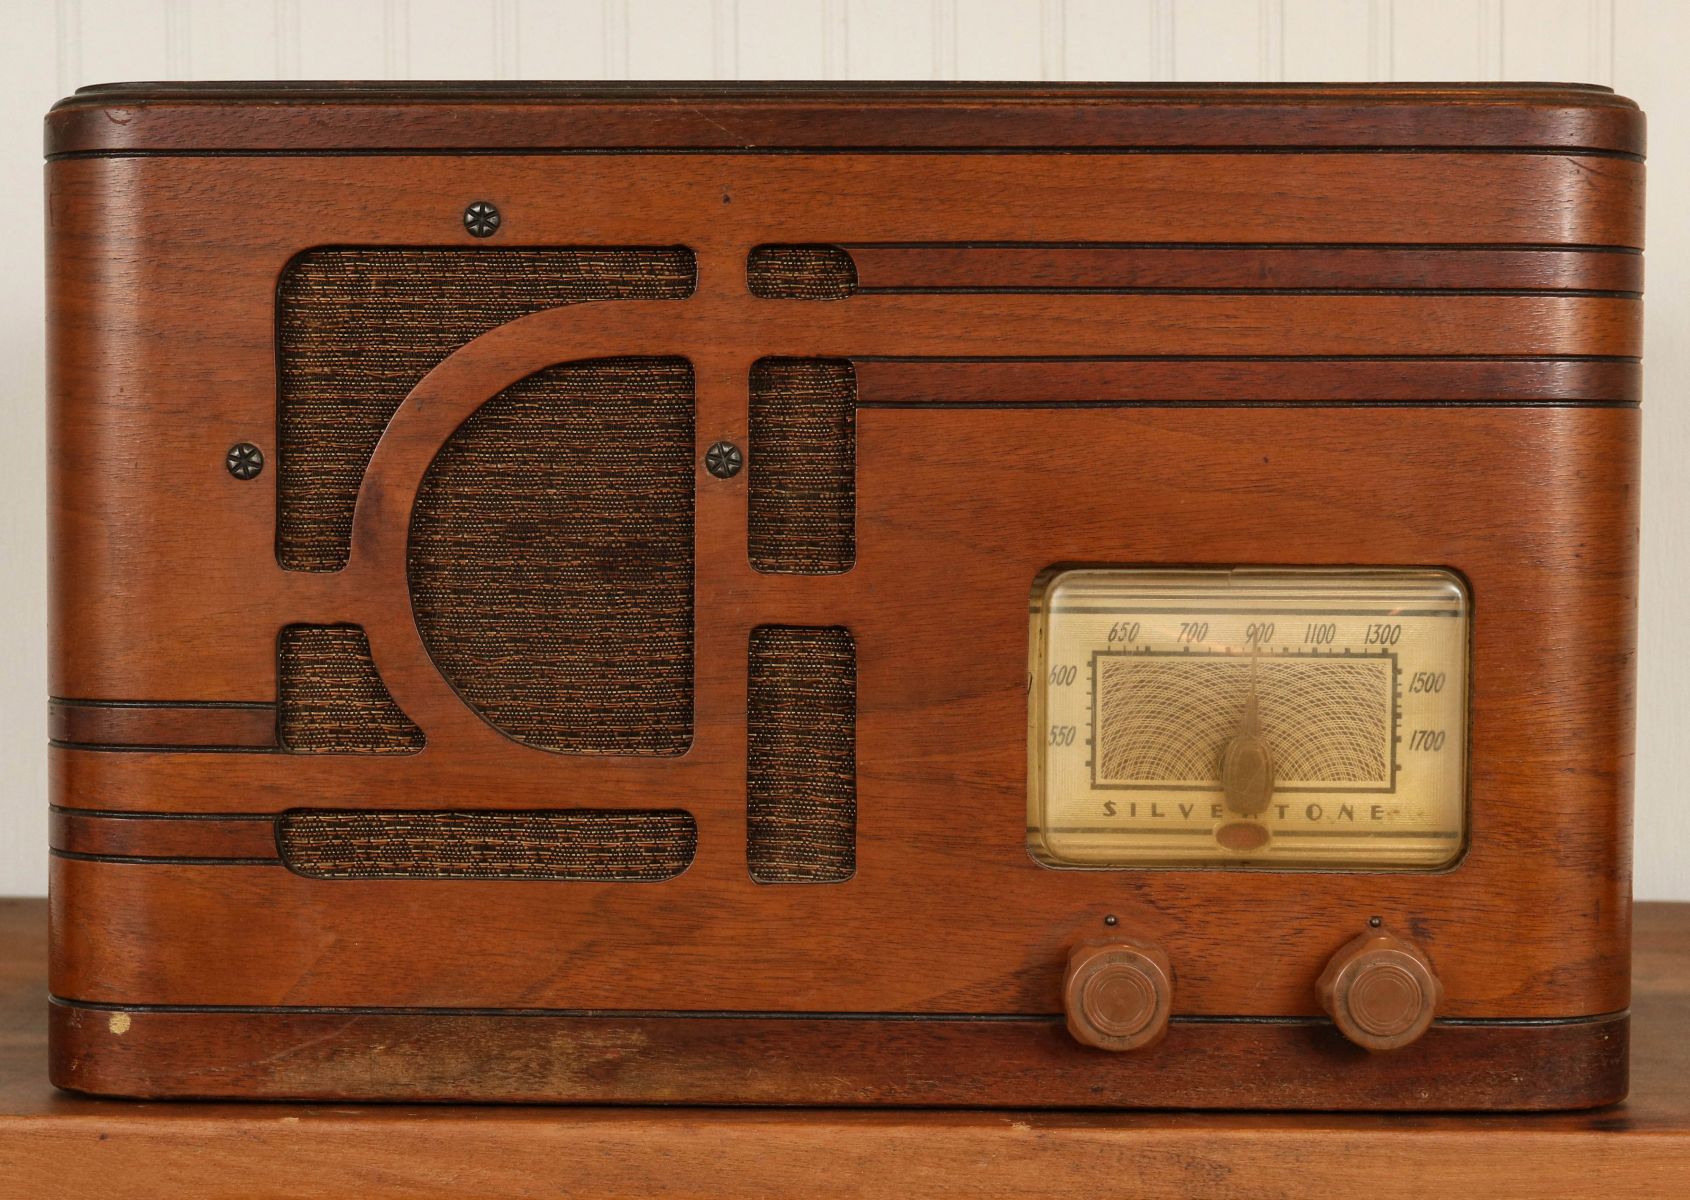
(1007, 626)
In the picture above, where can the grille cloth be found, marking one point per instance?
(359, 327)
(801, 273)
(801, 774)
(551, 558)
(803, 482)
(332, 701)
(638, 846)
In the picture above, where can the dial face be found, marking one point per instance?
(1248, 717)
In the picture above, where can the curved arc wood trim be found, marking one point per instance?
(378, 561)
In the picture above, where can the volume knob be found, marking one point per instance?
(1118, 995)
(1380, 991)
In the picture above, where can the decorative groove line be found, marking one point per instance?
(737, 151)
(150, 860)
(779, 1015)
(1300, 405)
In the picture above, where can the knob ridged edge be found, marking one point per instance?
(1118, 995)
(1380, 991)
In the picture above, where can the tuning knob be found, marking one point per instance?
(1380, 991)
(1118, 994)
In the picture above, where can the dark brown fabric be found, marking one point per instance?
(358, 328)
(581, 844)
(801, 774)
(551, 558)
(332, 699)
(803, 463)
(801, 273)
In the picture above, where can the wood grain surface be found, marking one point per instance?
(1546, 864)
(1422, 356)
(575, 116)
(57, 1146)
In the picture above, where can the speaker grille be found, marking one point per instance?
(551, 558)
(332, 701)
(801, 273)
(358, 328)
(802, 768)
(640, 846)
(803, 482)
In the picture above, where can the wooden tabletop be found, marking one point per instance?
(53, 1144)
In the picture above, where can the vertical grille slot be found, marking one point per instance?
(803, 466)
(551, 558)
(801, 273)
(358, 327)
(802, 755)
(332, 701)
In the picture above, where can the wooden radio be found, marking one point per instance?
(1102, 596)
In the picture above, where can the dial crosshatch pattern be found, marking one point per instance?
(1160, 715)
(1250, 717)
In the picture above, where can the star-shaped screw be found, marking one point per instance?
(723, 460)
(481, 219)
(244, 460)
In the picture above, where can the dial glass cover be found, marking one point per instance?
(1311, 718)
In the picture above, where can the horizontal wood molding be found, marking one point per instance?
(1240, 267)
(1233, 380)
(838, 1060)
(56, 1144)
(162, 725)
(155, 118)
(169, 836)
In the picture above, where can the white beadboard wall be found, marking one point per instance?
(1635, 45)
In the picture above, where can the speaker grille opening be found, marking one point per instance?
(801, 273)
(634, 846)
(803, 466)
(331, 699)
(551, 558)
(802, 748)
(358, 328)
